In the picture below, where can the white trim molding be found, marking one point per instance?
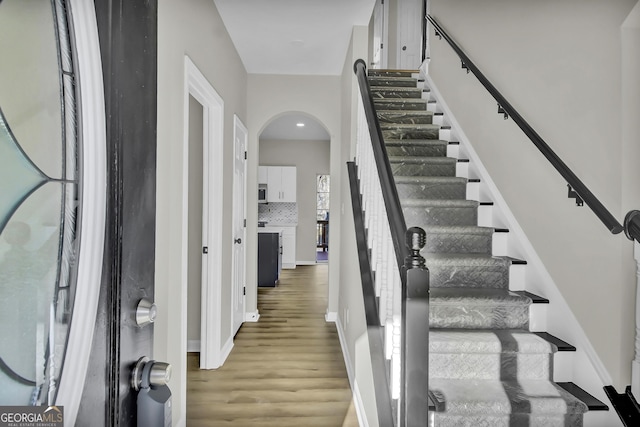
(251, 316)
(358, 404)
(94, 184)
(198, 86)
(331, 316)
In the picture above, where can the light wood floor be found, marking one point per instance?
(285, 370)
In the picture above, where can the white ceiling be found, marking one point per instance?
(308, 37)
(285, 128)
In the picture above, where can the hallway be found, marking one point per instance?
(285, 370)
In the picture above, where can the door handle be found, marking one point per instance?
(404, 48)
(237, 241)
(149, 373)
(145, 312)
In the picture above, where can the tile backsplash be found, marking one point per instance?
(278, 213)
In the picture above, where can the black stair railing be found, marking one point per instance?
(412, 408)
(577, 188)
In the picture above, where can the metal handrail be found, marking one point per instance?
(505, 107)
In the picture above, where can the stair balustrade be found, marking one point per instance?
(395, 278)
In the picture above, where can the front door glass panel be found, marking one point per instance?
(39, 198)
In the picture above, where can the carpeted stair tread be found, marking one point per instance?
(431, 187)
(423, 166)
(457, 238)
(392, 81)
(408, 117)
(467, 271)
(478, 308)
(409, 126)
(493, 397)
(475, 296)
(430, 179)
(467, 259)
(439, 203)
(391, 72)
(400, 103)
(440, 211)
(459, 229)
(484, 354)
(395, 92)
(488, 341)
(422, 159)
(409, 131)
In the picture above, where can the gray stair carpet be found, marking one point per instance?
(485, 367)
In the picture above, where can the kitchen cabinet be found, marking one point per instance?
(288, 243)
(262, 174)
(269, 258)
(288, 247)
(281, 183)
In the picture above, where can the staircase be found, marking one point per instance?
(485, 367)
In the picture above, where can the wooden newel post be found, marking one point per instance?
(415, 334)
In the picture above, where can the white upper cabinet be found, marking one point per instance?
(262, 174)
(281, 182)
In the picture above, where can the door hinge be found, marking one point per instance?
(244, 291)
(381, 45)
(245, 223)
(245, 155)
(205, 249)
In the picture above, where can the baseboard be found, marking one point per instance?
(252, 316)
(306, 262)
(193, 346)
(355, 391)
(331, 316)
(226, 350)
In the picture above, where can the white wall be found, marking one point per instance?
(270, 96)
(351, 317)
(311, 158)
(193, 28)
(559, 63)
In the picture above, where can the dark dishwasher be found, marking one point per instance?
(268, 259)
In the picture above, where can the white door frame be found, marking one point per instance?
(381, 12)
(240, 141)
(196, 85)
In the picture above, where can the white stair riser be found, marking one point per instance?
(538, 317)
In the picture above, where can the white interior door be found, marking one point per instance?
(379, 59)
(410, 17)
(239, 221)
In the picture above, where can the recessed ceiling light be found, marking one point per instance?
(300, 124)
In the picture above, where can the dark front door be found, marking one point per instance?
(127, 31)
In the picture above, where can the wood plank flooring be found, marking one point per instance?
(285, 370)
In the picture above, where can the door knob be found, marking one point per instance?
(145, 312)
(238, 240)
(149, 373)
(404, 48)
